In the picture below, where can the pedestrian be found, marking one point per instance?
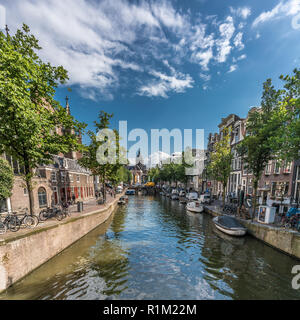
(73, 198)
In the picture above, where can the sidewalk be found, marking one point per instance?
(88, 207)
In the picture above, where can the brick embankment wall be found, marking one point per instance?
(287, 241)
(21, 254)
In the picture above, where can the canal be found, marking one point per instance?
(153, 249)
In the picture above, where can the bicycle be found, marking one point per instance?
(30, 221)
(12, 222)
(3, 227)
(50, 213)
(65, 210)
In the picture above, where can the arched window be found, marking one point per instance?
(42, 197)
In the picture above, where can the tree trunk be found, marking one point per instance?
(223, 195)
(255, 185)
(28, 175)
(104, 188)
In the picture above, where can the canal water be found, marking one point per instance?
(153, 248)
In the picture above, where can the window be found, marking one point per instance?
(286, 189)
(277, 167)
(53, 176)
(78, 178)
(42, 195)
(71, 177)
(287, 167)
(268, 168)
(62, 176)
(25, 192)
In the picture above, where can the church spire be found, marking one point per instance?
(67, 105)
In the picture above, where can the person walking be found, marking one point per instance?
(73, 198)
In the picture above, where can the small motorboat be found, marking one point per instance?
(195, 206)
(174, 195)
(123, 200)
(182, 196)
(229, 225)
(130, 192)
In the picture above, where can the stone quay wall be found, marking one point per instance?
(21, 254)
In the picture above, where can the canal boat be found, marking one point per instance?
(195, 206)
(229, 225)
(122, 201)
(174, 195)
(192, 196)
(182, 196)
(130, 192)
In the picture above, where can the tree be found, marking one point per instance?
(90, 159)
(30, 117)
(289, 136)
(6, 179)
(264, 125)
(219, 167)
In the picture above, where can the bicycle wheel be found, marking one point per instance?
(43, 216)
(59, 215)
(14, 224)
(3, 228)
(36, 219)
(29, 222)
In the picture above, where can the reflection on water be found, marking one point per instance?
(154, 249)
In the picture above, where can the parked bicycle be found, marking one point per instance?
(65, 210)
(230, 209)
(291, 220)
(29, 221)
(12, 222)
(3, 227)
(48, 213)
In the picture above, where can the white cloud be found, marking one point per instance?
(205, 77)
(243, 12)
(100, 41)
(232, 68)
(223, 44)
(238, 41)
(242, 57)
(177, 82)
(289, 8)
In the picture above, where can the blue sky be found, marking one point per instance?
(164, 64)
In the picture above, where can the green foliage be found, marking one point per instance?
(288, 137)
(121, 175)
(264, 126)
(29, 114)
(6, 179)
(219, 166)
(90, 159)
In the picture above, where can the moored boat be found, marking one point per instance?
(130, 192)
(195, 206)
(123, 200)
(229, 225)
(182, 196)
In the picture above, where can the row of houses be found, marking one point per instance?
(279, 184)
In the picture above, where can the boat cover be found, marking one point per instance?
(229, 222)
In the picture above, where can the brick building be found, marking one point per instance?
(52, 184)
